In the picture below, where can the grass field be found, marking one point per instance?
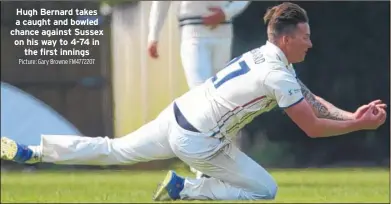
(310, 185)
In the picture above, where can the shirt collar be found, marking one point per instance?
(280, 54)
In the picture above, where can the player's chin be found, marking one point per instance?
(298, 60)
(302, 58)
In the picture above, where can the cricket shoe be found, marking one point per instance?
(170, 188)
(11, 150)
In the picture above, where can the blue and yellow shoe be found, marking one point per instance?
(170, 188)
(11, 150)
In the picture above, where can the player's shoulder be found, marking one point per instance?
(279, 75)
(279, 80)
(280, 72)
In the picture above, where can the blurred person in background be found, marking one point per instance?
(206, 37)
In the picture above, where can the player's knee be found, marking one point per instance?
(272, 191)
(266, 192)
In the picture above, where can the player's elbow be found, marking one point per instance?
(304, 117)
(313, 129)
(311, 133)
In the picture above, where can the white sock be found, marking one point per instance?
(37, 153)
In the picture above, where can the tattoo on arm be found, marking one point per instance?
(321, 109)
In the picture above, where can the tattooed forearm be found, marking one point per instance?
(344, 115)
(322, 108)
(334, 112)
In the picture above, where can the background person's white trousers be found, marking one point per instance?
(203, 57)
(233, 174)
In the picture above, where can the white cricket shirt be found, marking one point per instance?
(250, 85)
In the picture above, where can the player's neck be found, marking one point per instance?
(281, 47)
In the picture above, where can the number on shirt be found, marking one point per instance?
(243, 69)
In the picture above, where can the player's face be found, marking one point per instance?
(299, 43)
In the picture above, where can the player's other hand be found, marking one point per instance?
(152, 50)
(215, 18)
(362, 109)
(372, 118)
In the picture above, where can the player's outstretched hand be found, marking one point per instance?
(152, 50)
(373, 117)
(362, 109)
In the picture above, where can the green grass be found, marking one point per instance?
(295, 185)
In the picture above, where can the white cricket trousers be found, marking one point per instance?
(234, 175)
(203, 57)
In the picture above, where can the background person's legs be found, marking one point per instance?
(149, 142)
(196, 56)
(234, 175)
(221, 53)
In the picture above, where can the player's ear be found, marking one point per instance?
(285, 39)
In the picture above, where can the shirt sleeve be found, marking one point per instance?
(284, 88)
(157, 16)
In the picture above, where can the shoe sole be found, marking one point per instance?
(161, 192)
(9, 149)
